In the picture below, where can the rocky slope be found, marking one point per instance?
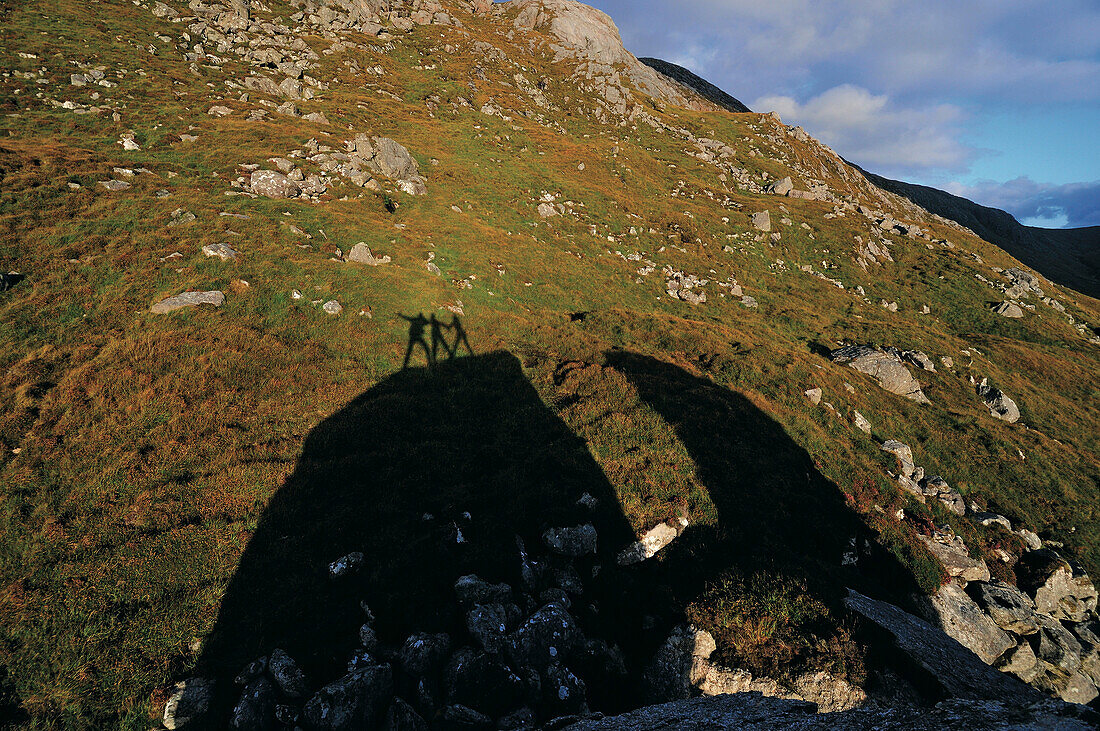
(440, 364)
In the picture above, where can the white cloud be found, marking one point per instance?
(870, 130)
(1072, 204)
(1019, 50)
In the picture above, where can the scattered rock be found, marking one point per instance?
(762, 221)
(286, 674)
(423, 655)
(256, 707)
(345, 565)
(222, 251)
(573, 542)
(904, 454)
(361, 254)
(273, 184)
(181, 217)
(1000, 406)
(656, 538)
(488, 625)
(188, 299)
(548, 636)
(474, 590)
(781, 187)
(991, 519)
(814, 394)
(353, 702)
(332, 307)
(189, 703)
(1009, 309)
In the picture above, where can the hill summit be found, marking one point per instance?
(439, 364)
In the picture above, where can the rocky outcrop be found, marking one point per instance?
(953, 555)
(913, 480)
(885, 366)
(963, 620)
(1009, 309)
(588, 36)
(1042, 632)
(1061, 589)
(682, 668)
(956, 669)
(272, 184)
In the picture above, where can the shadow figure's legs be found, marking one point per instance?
(428, 355)
(461, 340)
(439, 340)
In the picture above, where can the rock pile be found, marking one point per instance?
(522, 657)
(913, 479)
(1045, 631)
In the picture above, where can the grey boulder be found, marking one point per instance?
(999, 405)
(273, 184)
(355, 701)
(548, 636)
(1010, 608)
(885, 367)
(964, 621)
(188, 299)
(573, 541)
(189, 703)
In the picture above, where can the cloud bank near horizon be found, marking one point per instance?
(1072, 205)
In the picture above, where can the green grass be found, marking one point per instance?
(151, 448)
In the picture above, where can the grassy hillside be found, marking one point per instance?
(139, 453)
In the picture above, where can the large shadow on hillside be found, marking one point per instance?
(777, 514)
(434, 472)
(465, 447)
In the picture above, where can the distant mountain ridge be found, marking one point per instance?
(1070, 257)
(699, 85)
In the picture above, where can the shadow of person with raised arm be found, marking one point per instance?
(417, 325)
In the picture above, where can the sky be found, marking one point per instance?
(994, 100)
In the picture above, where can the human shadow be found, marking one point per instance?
(433, 473)
(464, 447)
(777, 513)
(419, 329)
